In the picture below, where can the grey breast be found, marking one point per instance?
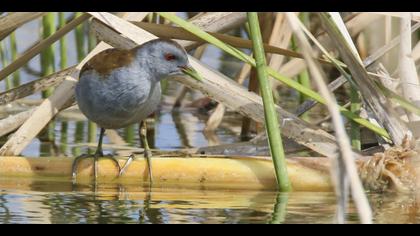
(123, 97)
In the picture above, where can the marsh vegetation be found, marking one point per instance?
(286, 102)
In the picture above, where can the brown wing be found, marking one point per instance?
(108, 60)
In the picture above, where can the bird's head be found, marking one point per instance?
(168, 58)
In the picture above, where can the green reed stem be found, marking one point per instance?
(92, 127)
(270, 113)
(5, 62)
(63, 65)
(80, 39)
(303, 77)
(355, 128)
(13, 51)
(47, 56)
(129, 133)
(63, 42)
(47, 62)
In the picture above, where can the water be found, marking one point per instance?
(41, 201)
(61, 202)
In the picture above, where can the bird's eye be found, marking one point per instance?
(169, 56)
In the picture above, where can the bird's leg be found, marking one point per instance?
(147, 152)
(98, 154)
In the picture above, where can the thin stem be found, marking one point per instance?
(63, 42)
(4, 62)
(271, 119)
(345, 163)
(47, 56)
(13, 51)
(355, 129)
(303, 77)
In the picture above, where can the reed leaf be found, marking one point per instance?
(345, 164)
(398, 99)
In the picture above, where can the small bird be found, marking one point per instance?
(117, 88)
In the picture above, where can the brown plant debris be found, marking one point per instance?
(394, 169)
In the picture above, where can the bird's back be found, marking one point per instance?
(114, 92)
(109, 60)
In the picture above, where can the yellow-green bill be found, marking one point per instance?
(192, 73)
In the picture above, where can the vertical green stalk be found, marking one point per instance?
(47, 63)
(355, 128)
(80, 39)
(271, 119)
(63, 65)
(47, 56)
(129, 133)
(80, 51)
(63, 42)
(13, 51)
(78, 137)
(5, 62)
(303, 77)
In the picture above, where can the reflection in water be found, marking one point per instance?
(40, 201)
(280, 208)
(45, 201)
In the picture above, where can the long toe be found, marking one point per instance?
(148, 155)
(76, 164)
(111, 157)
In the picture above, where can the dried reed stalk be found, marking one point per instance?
(407, 69)
(13, 20)
(346, 159)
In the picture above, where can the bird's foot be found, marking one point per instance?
(96, 157)
(147, 155)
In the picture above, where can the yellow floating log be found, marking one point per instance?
(306, 174)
